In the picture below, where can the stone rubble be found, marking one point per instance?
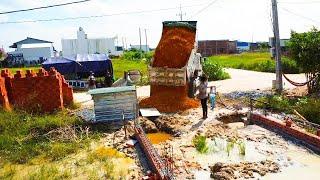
(222, 171)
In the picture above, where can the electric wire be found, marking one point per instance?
(305, 2)
(203, 9)
(44, 7)
(95, 16)
(299, 15)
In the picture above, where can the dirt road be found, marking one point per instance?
(242, 80)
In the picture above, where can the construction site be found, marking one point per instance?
(181, 124)
(170, 140)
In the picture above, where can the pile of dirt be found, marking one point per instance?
(220, 130)
(173, 51)
(171, 124)
(221, 171)
(174, 48)
(147, 125)
(231, 118)
(169, 99)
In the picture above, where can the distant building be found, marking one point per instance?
(30, 51)
(215, 47)
(144, 48)
(283, 45)
(83, 45)
(243, 46)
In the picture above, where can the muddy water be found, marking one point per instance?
(157, 138)
(295, 162)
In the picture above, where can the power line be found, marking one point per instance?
(299, 15)
(305, 2)
(203, 9)
(44, 7)
(96, 16)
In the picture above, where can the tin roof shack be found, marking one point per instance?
(115, 105)
(215, 47)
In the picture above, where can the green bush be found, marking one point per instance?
(214, 71)
(200, 142)
(307, 107)
(310, 110)
(137, 55)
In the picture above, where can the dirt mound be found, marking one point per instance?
(171, 124)
(173, 51)
(220, 130)
(174, 48)
(169, 99)
(242, 170)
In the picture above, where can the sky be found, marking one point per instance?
(244, 20)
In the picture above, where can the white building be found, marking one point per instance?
(31, 51)
(144, 48)
(83, 45)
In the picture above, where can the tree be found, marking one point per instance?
(305, 50)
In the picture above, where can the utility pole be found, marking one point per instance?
(140, 37)
(145, 32)
(181, 14)
(279, 86)
(140, 42)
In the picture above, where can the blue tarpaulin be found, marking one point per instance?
(81, 64)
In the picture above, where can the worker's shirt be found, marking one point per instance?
(203, 90)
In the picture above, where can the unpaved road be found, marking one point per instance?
(241, 80)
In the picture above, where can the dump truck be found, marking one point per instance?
(167, 76)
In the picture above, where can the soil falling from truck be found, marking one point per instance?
(173, 51)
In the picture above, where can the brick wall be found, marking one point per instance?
(4, 101)
(216, 47)
(297, 133)
(38, 92)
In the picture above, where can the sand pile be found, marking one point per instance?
(173, 51)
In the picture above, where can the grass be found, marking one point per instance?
(200, 143)
(257, 61)
(24, 136)
(41, 147)
(308, 107)
(121, 65)
(14, 70)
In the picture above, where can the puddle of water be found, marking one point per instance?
(295, 162)
(157, 138)
(218, 153)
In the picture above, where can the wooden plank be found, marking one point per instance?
(149, 112)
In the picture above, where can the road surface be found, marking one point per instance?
(241, 80)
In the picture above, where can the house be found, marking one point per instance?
(144, 48)
(215, 47)
(83, 45)
(30, 51)
(243, 46)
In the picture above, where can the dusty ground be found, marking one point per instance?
(262, 147)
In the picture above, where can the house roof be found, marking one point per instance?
(29, 40)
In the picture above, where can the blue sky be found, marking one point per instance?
(226, 19)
